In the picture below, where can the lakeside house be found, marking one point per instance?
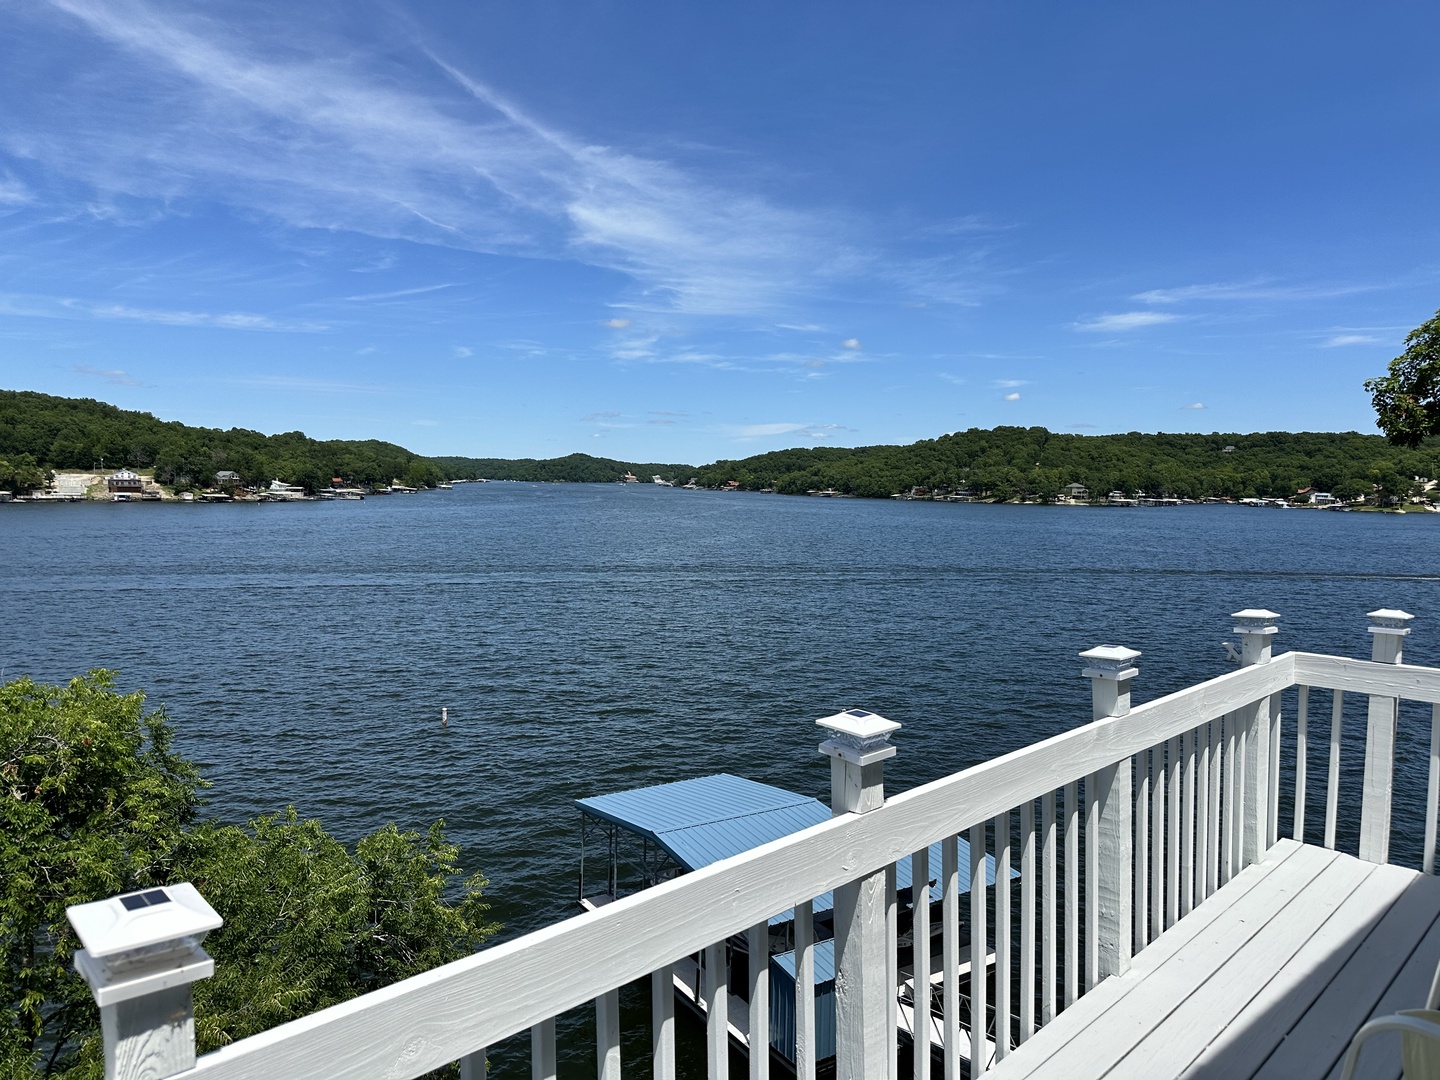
(1192, 899)
(124, 482)
(1076, 492)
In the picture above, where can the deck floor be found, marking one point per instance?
(1269, 978)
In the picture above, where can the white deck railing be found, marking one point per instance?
(1141, 815)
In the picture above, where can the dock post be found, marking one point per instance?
(858, 746)
(1110, 668)
(142, 951)
(1389, 628)
(1256, 626)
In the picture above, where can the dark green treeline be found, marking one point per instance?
(1015, 462)
(38, 431)
(79, 433)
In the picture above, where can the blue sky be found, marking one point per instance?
(691, 231)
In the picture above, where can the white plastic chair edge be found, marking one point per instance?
(1404, 1024)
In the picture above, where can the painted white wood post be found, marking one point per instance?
(1110, 669)
(662, 1023)
(142, 951)
(472, 1066)
(717, 1015)
(1256, 626)
(920, 965)
(858, 746)
(805, 1059)
(542, 1051)
(607, 1036)
(758, 946)
(1389, 628)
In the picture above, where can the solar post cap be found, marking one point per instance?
(858, 736)
(144, 941)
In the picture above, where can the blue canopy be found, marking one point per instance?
(703, 820)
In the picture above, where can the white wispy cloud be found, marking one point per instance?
(399, 293)
(956, 379)
(181, 104)
(1125, 320)
(1258, 289)
(1340, 340)
(53, 307)
(767, 431)
(1195, 405)
(850, 343)
(304, 385)
(1012, 397)
(114, 376)
(616, 324)
(1010, 384)
(13, 192)
(461, 352)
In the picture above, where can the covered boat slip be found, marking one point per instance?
(1270, 977)
(688, 824)
(651, 834)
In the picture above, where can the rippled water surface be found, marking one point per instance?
(588, 638)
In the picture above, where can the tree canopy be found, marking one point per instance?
(573, 469)
(1015, 462)
(1407, 399)
(79, 433)
(94, 801)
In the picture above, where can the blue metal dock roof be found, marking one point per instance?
(708, 818)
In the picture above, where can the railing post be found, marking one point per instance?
(1110, 669)
(1389, 628)
(858, 747)
(142, 951)
(1256, 626)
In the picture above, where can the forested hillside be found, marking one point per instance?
(38, 431)
(79, 433)
(1015, 462)
(575, 469)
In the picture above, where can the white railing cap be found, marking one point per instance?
(1256, 621)
(1110, 662)
(142, 923)
(858, 735)
(1390, 621)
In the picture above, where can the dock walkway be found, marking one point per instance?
(1269, 978)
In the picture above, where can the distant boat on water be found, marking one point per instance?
(661, 483)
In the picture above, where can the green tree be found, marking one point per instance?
(1407, 399)
(20, 474)
(94, 801)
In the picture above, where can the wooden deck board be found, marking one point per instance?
(1270, 977)
(1255, 1032)
(1030, 1059)
(1315, 1043)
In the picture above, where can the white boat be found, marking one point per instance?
(444, 485)
(661, 483)
(283, 492)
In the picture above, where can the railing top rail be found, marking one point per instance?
(424, 1022)
(1408, 681)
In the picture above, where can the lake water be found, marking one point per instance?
(587, 638)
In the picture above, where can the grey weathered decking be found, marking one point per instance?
(1269, 978)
